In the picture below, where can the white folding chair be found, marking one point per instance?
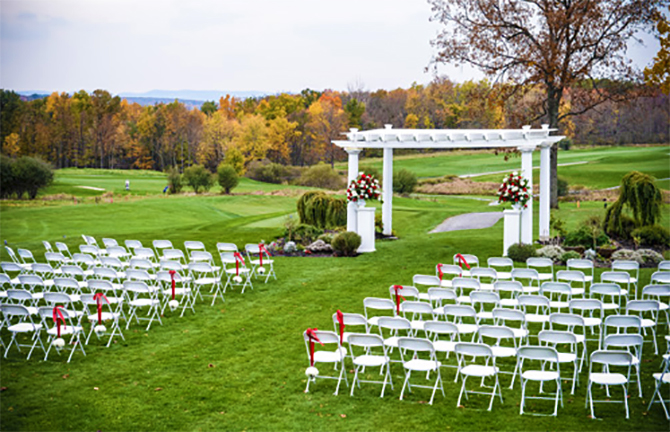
(15, 259)
(142, 296)
(486, 276)
(464, 317)
(203, 275)
(109, 242)
(191, 246)
(556, 339)
(632, 343)
(114, 292)
(571, 322)
(131, 245)
(370, 345)
(503, 267)
(405, 292)
(91, 241)
(235, 268)
(99, 319)
(648, 311)
(660, 277)
(174, 255)
(608, 359)
(482, 299)
(464, 286)
(540, 264)
(593, 313)
(620, 278)
(659, 293)
(430, 281)
(67, 328)
(435, 330)
(18, 320)
(503, 317)
(118, 252)
(446, 273)
(142, 264)
(609, 294)
(536, 308)
(160, 245)
(572, 277)
(499, 333)
(68, 301)
(411, 351)
(660, 379)
(260, 260)
(63, 249)
(34, 284)
(417, 313)
(47, 246)
(664, 265)
(530, 276)
(146, 254)
(56, 259)
(181, 289)
(93, 251)
(377, 304)
(349, 320)
(46, 272)
(397, 327)
(558, 293)
(85, 262)
(335, 357)
(466, 260)
(630, 267)
(26, 257)
(586, 266)
(439, 297)
(509, 292)
(543, 355)
(468, 355)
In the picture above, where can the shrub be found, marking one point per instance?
(565, 144)
(318, 209)
(302, 233)
(346, 243)
(7, 181)
(583, 236)
(624, 254)
(326, 237)
(520, 252)
(570, 255)
(322, 176)
(552, 252)
(640, 194)
(558, 225)
(30, 175)
(336, 214)
(269, 172)
(235, 158)
(653, 236)
(228, 179)
(174, 180)
(562, 186)
(302, 206)
(404, 182)
(648, 257)
(198, 177)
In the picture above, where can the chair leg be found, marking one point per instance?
(402, 392)
(625, 399)
(458, 403)
(353, 385)
(523, 396)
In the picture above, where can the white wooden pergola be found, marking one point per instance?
(526, 140)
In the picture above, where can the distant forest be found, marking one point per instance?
(104, 131)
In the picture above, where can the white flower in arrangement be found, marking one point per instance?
(261, 270)
(311, 372)
(515, 173)
(99, 329)
(360, 173)
(237, 279)
(174, 304)
(58, 343)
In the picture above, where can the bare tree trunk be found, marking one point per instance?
(553, 103)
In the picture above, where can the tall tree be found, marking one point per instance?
(659, 73)
(556, 43)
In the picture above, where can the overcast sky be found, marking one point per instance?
(245, 45)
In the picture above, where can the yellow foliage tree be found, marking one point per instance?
(281, 132)
(252, 138)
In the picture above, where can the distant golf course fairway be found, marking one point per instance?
(240, 365)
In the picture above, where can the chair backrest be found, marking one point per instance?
(515, 287)
(325, 337)
(42, 268)
(365, 340)
(66, 283)
(117, 251)
(109, 242)
(559, 288)
(174, 255)
(473, 349)
(645, 308)
(12, 254)
(89, 299)
(19, 295)
(623, 323)
(484, 273)
(378, 303)
(566, 319)
(504, 315)
(141, 264)
(472, 260)
(83, 259)
(626, 265)
(145, 253)
(436, 328)
(139, 275)
(89, 249)
(526, 273)
(428, 280)
(460, 284)
(448, 270)
(656, 291)
(495, 332)
(62, 248)
(99, 285)
(459, 311)
(31, 280)
(539, 262)
(580, 263)
(162, 244)
(226, 247)
(484, 297)
(73, 270)
(5, 280)
(172, 265)
(438, 295)
(46, 314)
(415, 345)
(537, 353)
(605, 289)
(394, 323)
(137, 287)
(26, 256)
(351, 319)
(57, 298)
(500, 262)
(628, 341)
(133, 244)
(198, 255)
(660, 277)
(47, 246)
(407, 291)
(11, 267)
(166, 277)
(556, 337)
(111, 262)
(612, 358)
(664, 265)
(200, 267)
(105, 273)
(55, 257)
(589, 306)
(416, 307)
(191, 245)
(615, 276)
(528, 300)
(571, 276)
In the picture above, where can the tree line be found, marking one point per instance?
(104, 131)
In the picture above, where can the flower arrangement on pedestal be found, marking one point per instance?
(364, 187)
(514, 190)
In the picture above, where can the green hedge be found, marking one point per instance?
(320, 210)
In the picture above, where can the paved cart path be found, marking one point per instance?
(469, 221)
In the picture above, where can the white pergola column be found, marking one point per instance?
(527, 213)
(351, 175)
(545, 191)
(387, 192)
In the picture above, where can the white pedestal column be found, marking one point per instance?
(511, 227)
(366, 229)
(545, 191)
(527, 213)
(387, 192)
(351, 175)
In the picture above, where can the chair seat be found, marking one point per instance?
(592, 321)
(484, 315)
(536, 375)
(391, 341)
(546, 276)
(519, 332)
(648, 323)
(3, 294)
(206, 281)
(537, 318)
(421, 365)
(666, 377)
(417, 324)
(479, 370)
(327, 356)
(663, 306)
(530, 289)
(106, 316)
(608, 378)
(444, 346)
(143, 302)
(509, 302)
(232, 271)
(258, 262)
(439, 310)
(445, 283)
(464, 299)
(500, 351)
(559, 304)
(504, 275)
(486, 287)
(424, 296)
(578, 291)
(24, 327)
(610, 306)
(566, 357)
(370, 360)
(64, 330)
(588, 278)
(177, 291)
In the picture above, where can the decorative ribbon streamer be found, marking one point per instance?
(398, 297)
(312, 337)
(461, 261)
(98, 299)
(238, 259)
(59, 318)
(172, 273)
(439, 271)
(261, 249)
(340, 319)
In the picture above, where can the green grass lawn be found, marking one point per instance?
(240, 364)
(605, 167)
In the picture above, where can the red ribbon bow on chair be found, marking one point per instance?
(261, 249)
(98, 299)
(311, 335)
(172, 273)
(398, 297)
(238, 259)
(461, 261)
(340, 319)
(439, 271)
(59, 318)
